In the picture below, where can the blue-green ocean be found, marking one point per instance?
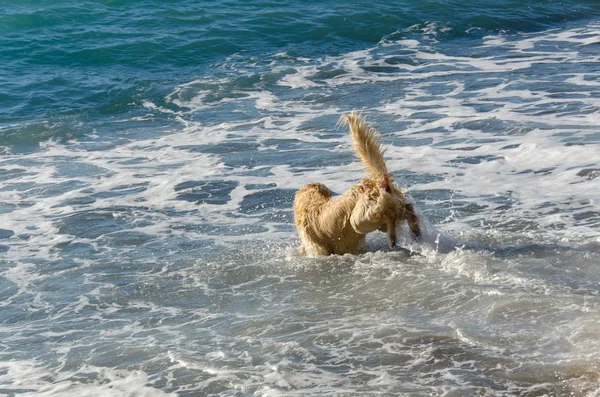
(149, 154)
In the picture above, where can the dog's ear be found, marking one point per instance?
(386, 186)
(389, 228)
(412, 219)
(386, 183)
(391, 233)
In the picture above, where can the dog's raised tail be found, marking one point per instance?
(367, 147)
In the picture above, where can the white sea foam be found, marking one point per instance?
(28, 378)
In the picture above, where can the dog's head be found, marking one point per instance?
(377, 208)
(393, 210)
(396, 210)
(382, 207)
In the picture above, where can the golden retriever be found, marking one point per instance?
(328, 225)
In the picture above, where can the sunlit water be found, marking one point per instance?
(147, 242)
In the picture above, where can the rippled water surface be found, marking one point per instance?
(149, 154)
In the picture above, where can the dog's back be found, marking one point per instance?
(323, 222)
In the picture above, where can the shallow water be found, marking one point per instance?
(146, 238)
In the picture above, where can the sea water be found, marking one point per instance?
(150, 150)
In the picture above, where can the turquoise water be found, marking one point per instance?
(150, 150)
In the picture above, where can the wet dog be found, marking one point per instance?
(329, 225)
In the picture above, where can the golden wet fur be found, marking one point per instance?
(328, 225)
